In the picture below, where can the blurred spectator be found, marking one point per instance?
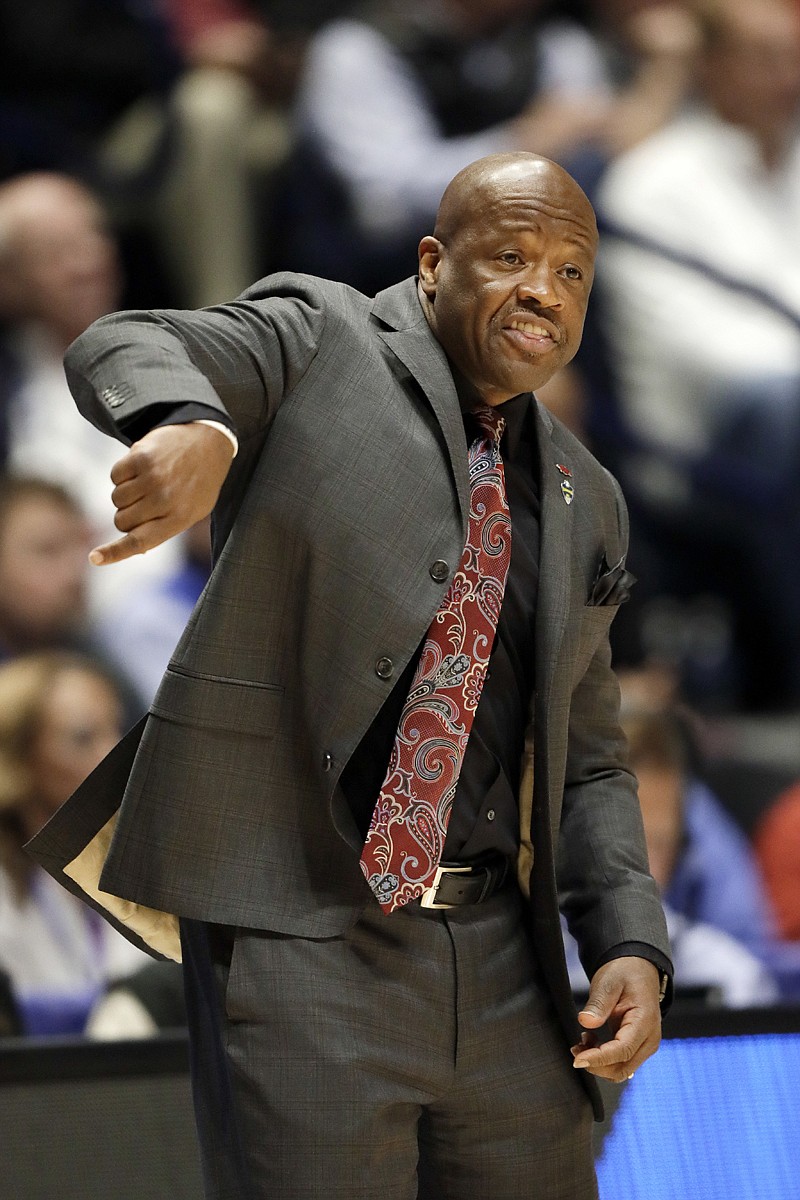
(140, 631)
(650, 49)
(85, 90)
(141, 1004)
(59, 715)
(43, 543)
(395, 102)
(701, 858)
(59, 271)
(777, 843)
(705, 954)
(173, 111)
(234, 130)
(703, 323)
(44, 574)
(699, 861)
(649, 687)
(228, 131)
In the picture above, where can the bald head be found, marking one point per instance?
(31, 201)
(58, 264)
(478, 188)
(505, 279)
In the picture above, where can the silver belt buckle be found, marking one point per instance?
(428, 898)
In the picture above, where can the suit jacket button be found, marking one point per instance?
(384, 668)
(439, 571)
(327, 762)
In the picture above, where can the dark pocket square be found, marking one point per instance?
(612, 585)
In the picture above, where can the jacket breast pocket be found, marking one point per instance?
(214, 702)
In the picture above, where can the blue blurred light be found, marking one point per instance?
(708, 1119)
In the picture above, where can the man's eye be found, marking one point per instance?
(511, 258)
(572, 272)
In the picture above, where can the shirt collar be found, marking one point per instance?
(516, 413)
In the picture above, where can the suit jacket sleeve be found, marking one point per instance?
(238, 359)
(605, 888)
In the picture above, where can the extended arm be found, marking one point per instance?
(131, 372)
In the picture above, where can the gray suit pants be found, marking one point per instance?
(416, 1056)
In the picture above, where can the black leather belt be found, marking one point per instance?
(465, 883)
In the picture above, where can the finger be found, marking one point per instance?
(610, 1054)
(619, 1072)
(127, 467)
(604, 994)
(620, 1056)
(615, 1074)
(587, 1041)
(127, 493)
(593, 1018)
(138, 541)
(140, 513)
(619, 1049)
(600, 1005)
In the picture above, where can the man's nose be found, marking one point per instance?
(539, 284)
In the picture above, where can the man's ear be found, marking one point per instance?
(430, 256)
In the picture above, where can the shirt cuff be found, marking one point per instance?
(202, 414)
(223, 429)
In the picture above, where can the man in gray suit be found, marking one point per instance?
(339, 1050)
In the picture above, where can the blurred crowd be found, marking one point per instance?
(168, 153)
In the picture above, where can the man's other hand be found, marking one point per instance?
(166, 482)
(623, 996)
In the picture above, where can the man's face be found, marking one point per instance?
(752, 71)
(81, 721)
(64, 261)
(42, 571)
(507, 292)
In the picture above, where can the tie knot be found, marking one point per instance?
(490, 423)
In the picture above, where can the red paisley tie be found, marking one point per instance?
(406, 838)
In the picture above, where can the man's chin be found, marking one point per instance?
(529, 377)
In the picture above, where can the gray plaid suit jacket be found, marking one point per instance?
(351, 480)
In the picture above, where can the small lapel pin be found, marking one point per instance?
(567, 490)
(564, 470)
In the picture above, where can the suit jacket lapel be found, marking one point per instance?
(555, 571)
(555, 554)
(414, 345)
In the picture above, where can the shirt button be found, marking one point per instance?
(491, 814)
(439, 571)
(384, 668)
(327, 762)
